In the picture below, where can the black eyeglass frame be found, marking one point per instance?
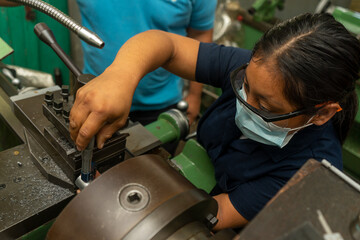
(266, 116)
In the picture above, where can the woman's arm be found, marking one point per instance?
(195, 89)
(102, 105)
(227, 215)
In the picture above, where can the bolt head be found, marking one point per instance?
(49, 96)
(66, 111)
(58, 103)
(65, 89)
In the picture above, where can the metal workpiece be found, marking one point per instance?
(170, 126)
(140, 198)
(84, 33)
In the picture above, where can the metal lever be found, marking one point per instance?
(46, 35)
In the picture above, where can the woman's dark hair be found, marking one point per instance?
(319, 62)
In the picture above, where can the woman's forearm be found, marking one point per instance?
(152, 49)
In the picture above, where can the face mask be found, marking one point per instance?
(255, 128)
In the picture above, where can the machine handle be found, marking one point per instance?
(46, 35)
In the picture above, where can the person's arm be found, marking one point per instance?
(102, 105)
(227, 215)
(5, 3)
(195, 89)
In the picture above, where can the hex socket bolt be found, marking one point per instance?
(66, 113)
(58, 105)
(49, 97)
(65, 92)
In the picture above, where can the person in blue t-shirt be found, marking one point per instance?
(116, 21)
(292, 98)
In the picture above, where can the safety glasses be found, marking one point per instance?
(237, 82)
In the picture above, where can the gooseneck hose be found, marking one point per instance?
(84, 33)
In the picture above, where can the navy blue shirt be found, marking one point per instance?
(249, 171)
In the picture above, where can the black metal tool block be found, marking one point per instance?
(45, 116)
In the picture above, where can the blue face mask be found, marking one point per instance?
(255, 128)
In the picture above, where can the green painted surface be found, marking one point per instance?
(265, 9)
(351, 147)
(5, 49)
(164, 130)
(252, 35)
(194, 164)
(350, 19)
(39, 233)
(29, 51)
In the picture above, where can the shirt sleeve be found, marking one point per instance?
(203, 14)
(250, 197)
(216, 62)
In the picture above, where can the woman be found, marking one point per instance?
(291, 99)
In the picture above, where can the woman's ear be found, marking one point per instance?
(326, 113)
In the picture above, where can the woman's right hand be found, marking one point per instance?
(101, 107)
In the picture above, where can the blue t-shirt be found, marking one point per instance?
(115, 21)
(251, 172)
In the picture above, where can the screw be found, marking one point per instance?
(49, 96)
(65, 92)
(58, 104)
(66, 113)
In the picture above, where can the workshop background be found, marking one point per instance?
(34, 60)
